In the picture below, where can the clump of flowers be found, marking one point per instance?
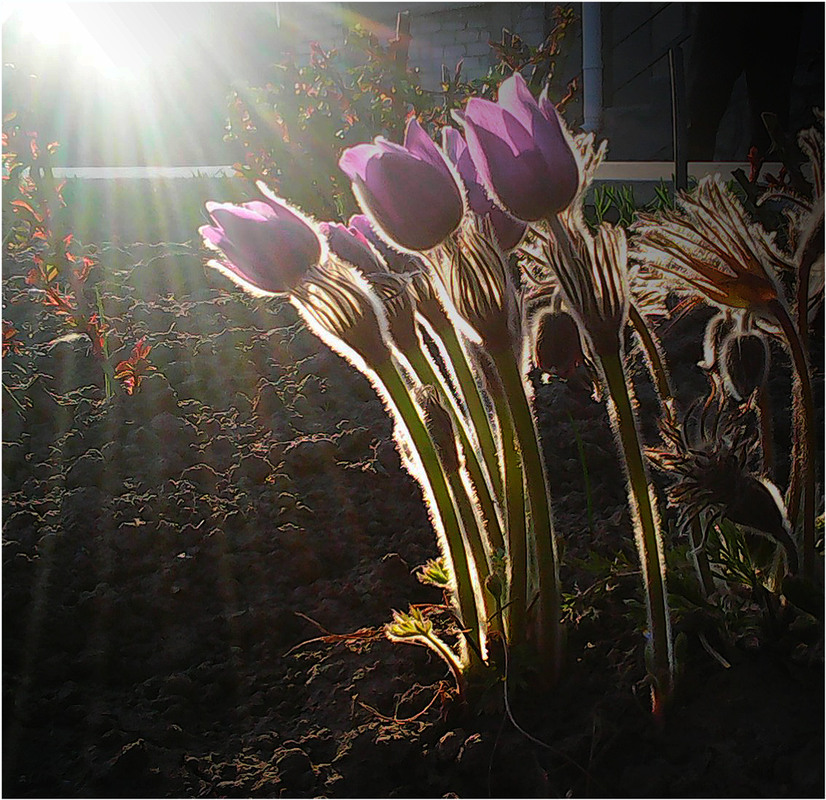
(433, 260)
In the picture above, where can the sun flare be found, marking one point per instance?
(107, 43)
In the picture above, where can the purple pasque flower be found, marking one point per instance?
(395, 260)
(409, 192)
(267, 246)
(508, 231)
(351, 245)
(521, 152)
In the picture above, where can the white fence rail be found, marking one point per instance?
(619, 171)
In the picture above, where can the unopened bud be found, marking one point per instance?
(493, 583)
(439, 426)
(744, 363)
(760, 506)
(557, 346)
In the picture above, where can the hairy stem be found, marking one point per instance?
(657, 365)
(488, 602)
(805, 436)
(473, 400)
(549, 634)
(445, 511)
(700, 559)
(427, 376)
(647, 531)
(515, 521)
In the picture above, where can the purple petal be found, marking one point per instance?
(556, 150)
(211, 235)
(262, 208)
(453, 144)
(419, 144)
(351, 246)
(354, 160)
(412, 201)
(515, 97)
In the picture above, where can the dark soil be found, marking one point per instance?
(174, 561)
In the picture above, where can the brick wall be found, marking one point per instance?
(447, 33)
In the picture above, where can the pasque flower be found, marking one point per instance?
(265, 245)
(409, 192)
(710, 244)
(508, 231)
(521, 152)
(351, 245)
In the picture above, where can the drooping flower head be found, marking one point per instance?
(521, 152)
(265, 246)
(508, 231)
(710, 244)
(557, 349)
(409, 192)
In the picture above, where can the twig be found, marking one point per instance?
(395, 719)
(536, 741)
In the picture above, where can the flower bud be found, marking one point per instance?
(521, 152)
(409, 192)
(267, 246)
(557, 346)
(507, 230)
(352, 246)
(439, 426)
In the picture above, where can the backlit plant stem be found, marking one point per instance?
(549, 639)
(396, 389)
(473, 401)
(477, 552)
(657, 365)
(660, 374)
(700, 559)
(804, 434)
(647, 527)
(515, 520)
(427, 376)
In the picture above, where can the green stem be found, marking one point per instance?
(515, 521)
(427, 375)
(473, 400)
(445, 511)
(700, 558)
(477, 551)
(647, 527)
(657, 365)
(805, 436)
(549, 634)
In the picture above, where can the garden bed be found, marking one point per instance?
(175, 563)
